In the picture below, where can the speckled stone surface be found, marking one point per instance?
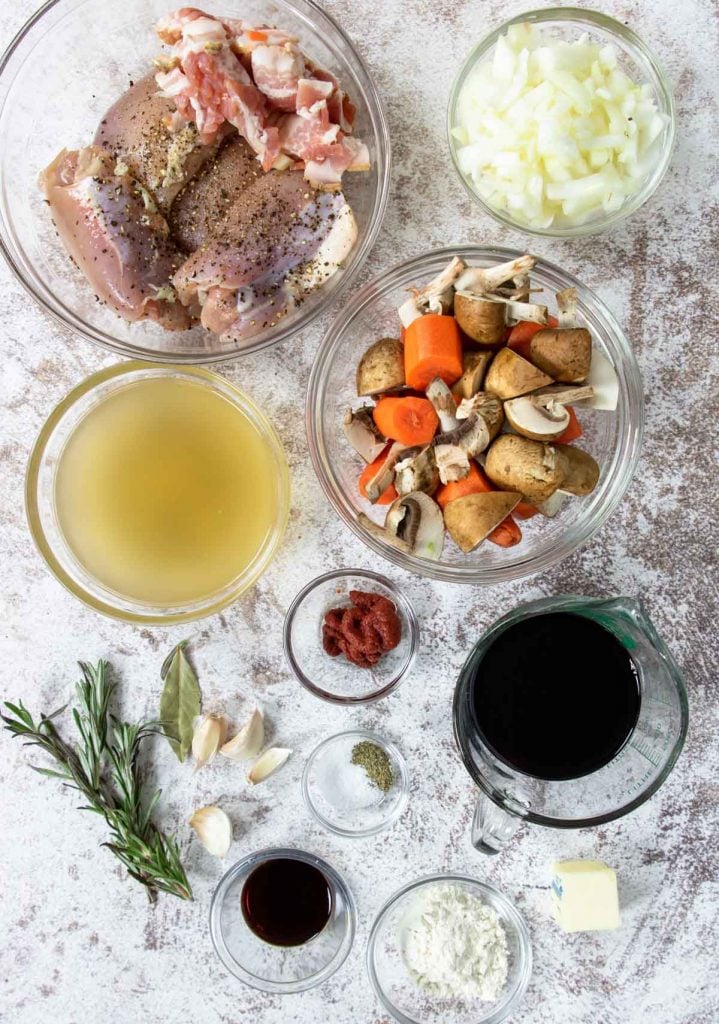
(78, 941)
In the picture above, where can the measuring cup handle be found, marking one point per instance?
(492, 826)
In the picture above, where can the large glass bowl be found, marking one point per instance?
(635, 59)
(614, 439)
(62, 71)
(42, 475)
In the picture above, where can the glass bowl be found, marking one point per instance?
(323, 792)
(79, 83)
(336, 679)
(280, 968)
(614, 439)
(403, 998)
(635, 59)
(42, 475)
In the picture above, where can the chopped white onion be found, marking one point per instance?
(553, 132)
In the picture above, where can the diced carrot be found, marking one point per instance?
(574, 428)
(410, 421)
(256, 35)
(507, 534)
(474, 483)
(432, 348)
(524, 510)
(523, 332)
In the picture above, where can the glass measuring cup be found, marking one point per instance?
(508, 797)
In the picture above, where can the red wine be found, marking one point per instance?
(556, 696)
(286, 901)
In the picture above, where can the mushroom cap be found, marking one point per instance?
(534, 468)
(510, 375)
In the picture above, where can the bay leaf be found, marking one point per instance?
(180, 702)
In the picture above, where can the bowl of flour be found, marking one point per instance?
(449, 947)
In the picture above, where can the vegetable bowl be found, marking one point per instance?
(88, 52)
(611, 439)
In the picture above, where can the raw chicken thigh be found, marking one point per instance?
(238, 279)
(111, 228)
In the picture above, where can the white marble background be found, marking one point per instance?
(78, 941)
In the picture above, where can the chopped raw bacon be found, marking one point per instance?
(257, 79)
(312, 96)
(277, 71)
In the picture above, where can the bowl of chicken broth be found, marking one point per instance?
(188, 186)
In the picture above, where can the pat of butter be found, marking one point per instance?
(584, 896)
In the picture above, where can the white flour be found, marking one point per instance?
(455, 945)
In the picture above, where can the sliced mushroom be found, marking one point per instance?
(474, 367)
(444, 404)
(532, 418)
(418, 472)
(471, 518)
(517, 310)
(486, 405)
(417, 520)
(483, 318)
(481, 280)
(384, 476)
(472, 435)
(510, 375)
(361, 431)
(567, 308)
(452, 462)
(436, 297)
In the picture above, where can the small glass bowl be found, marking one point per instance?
(410, 1004)
(613, 438)
(336, 679)
(40, 493)
(280, 968)
(635, 59)
(79, 83)
(365, 820)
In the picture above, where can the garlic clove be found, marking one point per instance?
(270, 761)
(213, 828)
(208, 737)
(248, 741)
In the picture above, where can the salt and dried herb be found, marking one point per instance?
(375, 762)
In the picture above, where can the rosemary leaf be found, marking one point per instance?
(103, 767)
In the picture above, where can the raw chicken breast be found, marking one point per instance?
(277, 225)
(161, 149)
(111, 228)
(201, 210)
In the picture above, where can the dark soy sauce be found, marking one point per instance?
(286, 902)
(556, 696)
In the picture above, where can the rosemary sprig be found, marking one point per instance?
(103, 767)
